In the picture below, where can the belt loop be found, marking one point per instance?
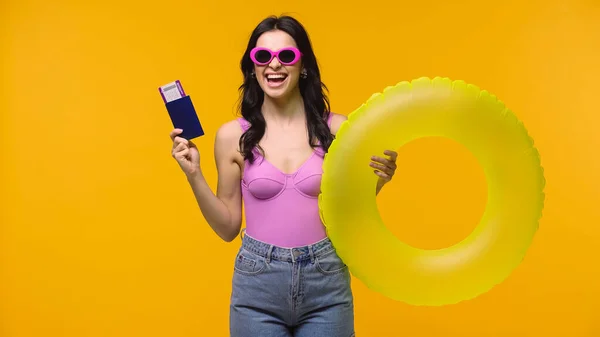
(242, 233)
(269, 251)
(312, 254)
(292, 255)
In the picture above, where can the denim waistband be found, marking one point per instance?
(295, 254)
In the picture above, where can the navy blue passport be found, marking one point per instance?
(183, 115)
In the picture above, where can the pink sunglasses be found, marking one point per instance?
(264, 56)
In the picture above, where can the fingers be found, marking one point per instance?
(384, 161)
(183, 154)
(175, 133)
(180, 147)
(180, 140)
(387, 169)
(393, 154)
(383, 175)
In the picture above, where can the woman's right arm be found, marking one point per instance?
(222, 211)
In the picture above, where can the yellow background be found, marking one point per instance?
(101, 236)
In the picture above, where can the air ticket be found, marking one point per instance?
(171, 91)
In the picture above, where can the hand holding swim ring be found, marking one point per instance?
(185, 152)
(384, 168)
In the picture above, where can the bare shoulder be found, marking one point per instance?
(336, 122)
(227, 139)
(229, 131)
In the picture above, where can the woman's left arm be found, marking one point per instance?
(384, 166)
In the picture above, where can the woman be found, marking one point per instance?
(288, 280)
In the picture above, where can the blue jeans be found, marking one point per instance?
(285, 292)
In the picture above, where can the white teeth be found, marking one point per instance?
(272, 76)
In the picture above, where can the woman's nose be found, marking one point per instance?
(275, 63)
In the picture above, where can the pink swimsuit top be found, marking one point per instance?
(282, 209)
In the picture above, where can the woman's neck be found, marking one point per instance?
(284, 111)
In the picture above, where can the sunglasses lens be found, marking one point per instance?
(287, 56)
(262, 56)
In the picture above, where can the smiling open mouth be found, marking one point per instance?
(276, 78)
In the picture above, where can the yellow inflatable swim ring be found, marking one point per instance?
(515, 180)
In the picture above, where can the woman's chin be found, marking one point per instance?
(277, 93)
